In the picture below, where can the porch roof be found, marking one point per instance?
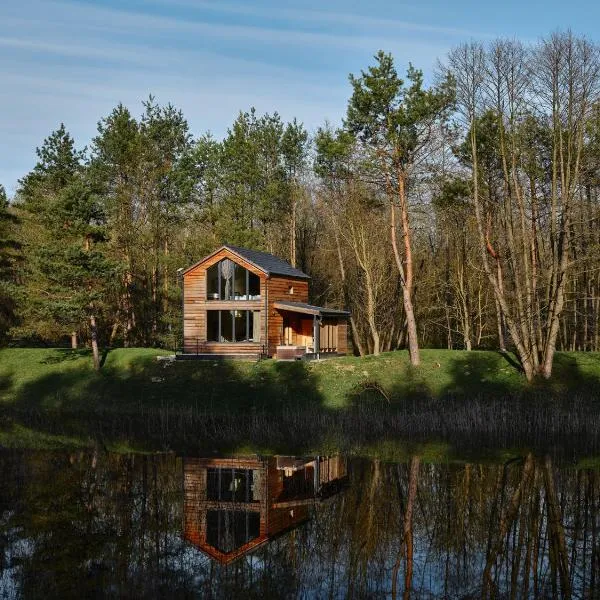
(309, 309)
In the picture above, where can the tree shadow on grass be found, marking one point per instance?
(6, 382)
(229, 406)
(464, 374)
(476, 374)
(68, 389)
(484, 404)
(104, 356)
(570, 377)
(155, 405)
(64, 355)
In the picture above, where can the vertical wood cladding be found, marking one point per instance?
(195, 305)
(273, 288)
(342, 336)
(196, 504)
(282, 288)
(278, 505)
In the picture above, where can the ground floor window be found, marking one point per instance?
(232, 325)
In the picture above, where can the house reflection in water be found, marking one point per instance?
(234, 505)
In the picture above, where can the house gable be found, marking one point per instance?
(254, 321)
(224, 252)
(253, 260)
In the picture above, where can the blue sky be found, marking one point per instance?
(73, 61)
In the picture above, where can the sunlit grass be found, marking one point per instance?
(132, 379)
(358, 405)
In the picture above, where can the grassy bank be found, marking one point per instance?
(55, 378)
(459, 399)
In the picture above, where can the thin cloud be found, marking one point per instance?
(120, 20)
(73, 62)
(321, 17)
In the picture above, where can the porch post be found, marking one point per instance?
(316, 337)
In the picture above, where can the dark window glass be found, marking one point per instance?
(235, 325)
(229, 281)
(230, 485)
(227, 530)
(212, 325)
(227, 326)
(212, 282)
(254, 286)
(239, 288)
(241, 325)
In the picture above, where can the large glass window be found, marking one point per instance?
(232, 485)
(212, 282)
(227, 277)
(240, 321)
(227, 334)
(228, 530)
(232, 326)
(253, 286)
(240, 289)
(212, 325)
(229, 281)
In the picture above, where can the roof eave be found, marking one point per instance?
(309, 310)
(229, 249)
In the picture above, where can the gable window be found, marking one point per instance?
(227, 280)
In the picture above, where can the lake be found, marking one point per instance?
(92, 524)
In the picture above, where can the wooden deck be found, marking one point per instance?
(214, 350)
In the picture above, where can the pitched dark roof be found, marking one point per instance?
(269, 264)
(309, 309)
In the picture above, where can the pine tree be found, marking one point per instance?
(67, 274)
(9, 260)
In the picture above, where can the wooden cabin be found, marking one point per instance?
(245, 303)
(232, 506)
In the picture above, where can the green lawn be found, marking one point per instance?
(133, 379)
(455, 401)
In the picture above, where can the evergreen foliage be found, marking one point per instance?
(389, 213)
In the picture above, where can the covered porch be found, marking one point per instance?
(311, 331)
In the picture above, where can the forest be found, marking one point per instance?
(460, 214)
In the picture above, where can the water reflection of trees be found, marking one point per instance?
(74, 524)
(518, 530)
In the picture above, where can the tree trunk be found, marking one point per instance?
(94, 335)
(356, 341)
(113, 333)
(411, 329)
(556, 530)
(293, 226)
(406, 269)
(408, 525)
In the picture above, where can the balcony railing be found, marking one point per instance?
(234, 298)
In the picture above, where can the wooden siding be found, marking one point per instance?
(279, 289)
(195, 305)
(225, 348)
(280, 507)
(272, 289)
(196, 504)
(342, 336)
(328, 335)
(298, 330)
(333, 334)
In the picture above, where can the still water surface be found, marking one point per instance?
(98, 525)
